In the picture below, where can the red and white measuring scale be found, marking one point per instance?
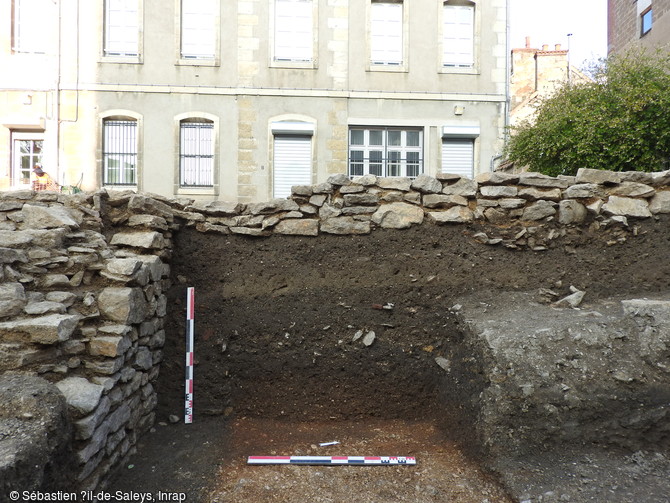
(331, 460)
(190, 316)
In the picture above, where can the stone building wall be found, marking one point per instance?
(82, 277)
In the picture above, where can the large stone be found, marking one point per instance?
(298, 227)
(43, 330)
(395, 183)
(627, 207)
(533, 193)
(633, 189)
(12, 299)
(599, 176)
(540, 180)
(44, 307)
(50, 217)
(218, 208)
(123, 266)
(143, 358)
(583, 191)
(660, 203)
(111, 346)
(455, 215)
(398, 215)
(85, 427)
(571, 212)
(344, 225)
(463, 187)
(427, 184)
(150, 221)
(149, 240)
(361, 199)
(338, 179)
(140, 203)
(124, 305)
(498, 191)
(443, 201)
(154, 264)
(497, 178)
(539, 210)
(11, 255)
(273, 206)
(80, 394)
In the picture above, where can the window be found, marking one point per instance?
(292, 156)
(119, 152)
(196, 153)
(293, 30)
(386, 30)
(27, 151)
(31, 25)
(458, 156)
(646, 19)
(199, 20)
(384, 151)
(121, 28)
(458, 22)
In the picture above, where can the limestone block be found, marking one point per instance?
(143, 358)
(123, 266)
(80, 394)
(16, 239)
(247, 231)
(660, 203)
(455, 215)
(498, 191)
(318, 199)
(328, 211)
(395, 183)
(367, 199)
(359, 210)
(302, 190)
(338, 179)
(627, 207)
(496, 215)
(10, 255)
(109, 346)
(539, 210)
(149, 239)
(301, 227)
(366, 180)
(50, 217)
(12, 299)
(85, 427)
(353, 188)
(43, 330)
(583, 191)
(150, 221)
(124, 305)
(587, 175)
(463, 187)
(140, 203)
(65, 298)
(571, 212)
(189, 216)
(398, 215)
(273, 206)
(107, 367)
(660, 179)
(511, 203)
(323, 188)
(496, 178)
(154, 265)
(44, 307)
(540, 180)
(344, 225)
(427, 184)
(633, 189)
(532, 193)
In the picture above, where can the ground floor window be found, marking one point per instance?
(458, 155)
(292, 163)
(196, 153)
(119, 152)
(385, 151)
(27, 151)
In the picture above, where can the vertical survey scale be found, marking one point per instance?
(190, 315)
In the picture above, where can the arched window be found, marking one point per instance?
(196, 152)
(458, 34)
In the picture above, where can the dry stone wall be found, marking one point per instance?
(82, 277)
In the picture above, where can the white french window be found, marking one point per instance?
(385, 152)
(458, 36)
(121, 28)
(32, 25)
(199, 29)
(386, 31)
(293, 30)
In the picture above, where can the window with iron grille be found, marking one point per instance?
(458, 22)
(385, 151)
(386, 29)
(119, 152)
(121, 28)
(293, 30)
(196, 153)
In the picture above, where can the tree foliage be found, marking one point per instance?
(618, 122)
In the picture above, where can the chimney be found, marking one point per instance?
(545, 47)
(527, 42)
(558, 47)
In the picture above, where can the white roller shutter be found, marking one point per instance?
(292, 163)
(458, 156)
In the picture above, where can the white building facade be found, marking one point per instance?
(240, 99)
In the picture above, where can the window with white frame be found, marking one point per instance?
(27, 150)
(196, 153)
(199, 20)
(458, 31)
(121, 28)
(293, 30)
(386, 32)
(385, 151)
(119, 151)
(31, 25)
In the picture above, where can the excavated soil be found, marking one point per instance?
(281, 362)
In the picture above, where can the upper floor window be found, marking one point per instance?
(31, 25)
(385, 151)
(199, 19)
(121, 28)
(386, 32)
(293, 30)
(458, 28)
(646, 21)
(119, 151)
(196, 153)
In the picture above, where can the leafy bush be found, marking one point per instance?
(618, 122)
